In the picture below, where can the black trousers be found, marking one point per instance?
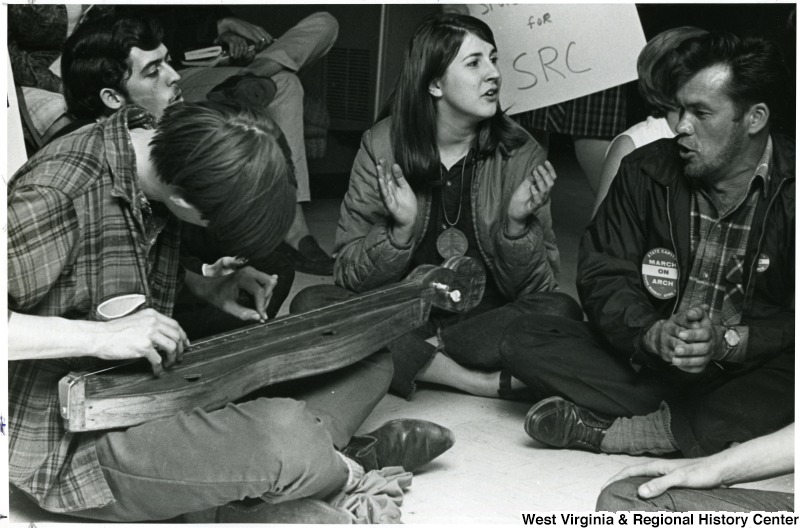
(555, 356)
(471, 339)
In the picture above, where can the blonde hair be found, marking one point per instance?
(653, 65)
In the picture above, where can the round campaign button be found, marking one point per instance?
(763, 263)
(660, 273)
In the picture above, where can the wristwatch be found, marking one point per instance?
(732, 339)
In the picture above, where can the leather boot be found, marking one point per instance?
(299, 511)
(559, 423)
(406, 443)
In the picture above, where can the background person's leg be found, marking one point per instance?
(286, 109)
(306, 42)
(590, 153)
(196, 82)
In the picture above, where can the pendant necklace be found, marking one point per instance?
(452, 242)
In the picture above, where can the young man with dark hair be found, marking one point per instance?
(92, 221)
(686, 275)
(109, 62)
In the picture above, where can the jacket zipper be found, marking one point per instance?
(761, 240)
(473, 198)
(675, 248)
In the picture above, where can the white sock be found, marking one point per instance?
(354, 472)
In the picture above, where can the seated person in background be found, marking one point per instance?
(686, 275)
(651, 66)
(447, 173)
(94, 216)
(700, 484)
(256, 56)
(36, 34)
(114, 61)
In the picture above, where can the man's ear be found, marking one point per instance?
(180, 201)
(757, 118)
(435, 88)
(187, 212)
(112, 98)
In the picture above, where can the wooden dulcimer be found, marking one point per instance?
(228, 366)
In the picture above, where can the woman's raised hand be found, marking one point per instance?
(532, 193)
(399, 199)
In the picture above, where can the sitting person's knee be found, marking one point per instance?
(561, 304)
(328, 26)
(554, 303)
(621, 495)
(317, 296)
(288, 86)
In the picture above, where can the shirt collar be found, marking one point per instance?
(119, 148)
(764, 164)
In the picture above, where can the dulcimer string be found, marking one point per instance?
(360, 299)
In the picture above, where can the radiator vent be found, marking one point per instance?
(348, 85)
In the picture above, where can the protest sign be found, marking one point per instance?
(549, 53)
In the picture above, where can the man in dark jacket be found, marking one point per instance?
(686, 275)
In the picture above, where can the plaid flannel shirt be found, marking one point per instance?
(77, 235)
(719, 245)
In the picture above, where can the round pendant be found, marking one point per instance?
(451, 243)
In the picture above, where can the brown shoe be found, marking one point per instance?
(557, 422)
(299, 511)
(409, 444)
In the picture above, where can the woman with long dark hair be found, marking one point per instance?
(448, 173)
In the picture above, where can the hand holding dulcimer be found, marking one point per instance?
(228, 366)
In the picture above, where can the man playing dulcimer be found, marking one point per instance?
(94, 224)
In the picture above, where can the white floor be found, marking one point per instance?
(494, 471)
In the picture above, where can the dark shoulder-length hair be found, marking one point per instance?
(433, 47)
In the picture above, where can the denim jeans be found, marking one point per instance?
(622, 496)
(471, 339)
(277, 449)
